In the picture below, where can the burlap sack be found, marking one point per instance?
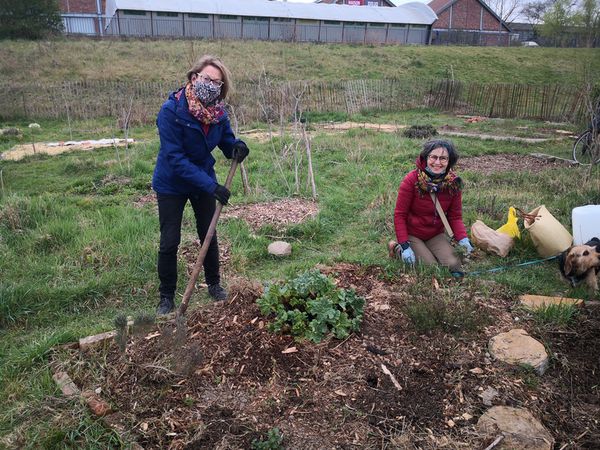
(548, 235)
(491, 240)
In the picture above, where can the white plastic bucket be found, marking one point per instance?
(586, 223)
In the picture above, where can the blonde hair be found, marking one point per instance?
(209, 60)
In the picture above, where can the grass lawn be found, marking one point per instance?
(87, 59)
(77, 251)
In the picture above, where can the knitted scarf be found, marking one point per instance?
(450, 182)
(205, 114)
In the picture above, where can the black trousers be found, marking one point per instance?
(170, 214)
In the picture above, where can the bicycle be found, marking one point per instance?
(586, 148)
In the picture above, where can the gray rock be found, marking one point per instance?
(518, 348)
(520, 429)
(280, 248)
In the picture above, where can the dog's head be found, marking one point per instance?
(581, 258)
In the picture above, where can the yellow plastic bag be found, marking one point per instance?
(548, 235)
(510, 227)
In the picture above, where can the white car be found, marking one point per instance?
(530, 44)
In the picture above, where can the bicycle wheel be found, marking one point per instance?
(583, 149)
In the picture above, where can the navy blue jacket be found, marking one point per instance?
(184, 164)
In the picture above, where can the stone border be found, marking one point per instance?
(98, 406)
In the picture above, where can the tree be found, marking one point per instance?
(558, 18)
(507, 10)
(588, 18)
(534, 11)
(29, 19)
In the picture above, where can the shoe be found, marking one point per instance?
(217, 292)
(166, 305)
(392, 249)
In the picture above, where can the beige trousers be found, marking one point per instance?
(436, 250)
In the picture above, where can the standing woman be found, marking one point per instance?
(419, 229)
(191, 123)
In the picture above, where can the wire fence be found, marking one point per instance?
(271, 100)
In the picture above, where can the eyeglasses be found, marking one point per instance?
(206, 79)
(442, 159)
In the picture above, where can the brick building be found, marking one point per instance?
(83, 16)
(468, 22)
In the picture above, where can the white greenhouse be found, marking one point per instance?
(409, 23)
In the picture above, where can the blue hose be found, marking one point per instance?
(501, 268)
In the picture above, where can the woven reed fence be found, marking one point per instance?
(273, 100)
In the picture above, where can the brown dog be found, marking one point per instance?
(581, 263)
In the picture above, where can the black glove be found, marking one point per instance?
(222, 194)
(240, 151)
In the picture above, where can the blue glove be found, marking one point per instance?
(466, 244)
(408, 256)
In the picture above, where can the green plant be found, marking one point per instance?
(529, 376)
(273, 441)
(420, 131)
(310, 307)
(559, 315)
(451, 310)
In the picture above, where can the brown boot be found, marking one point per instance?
(392, 248)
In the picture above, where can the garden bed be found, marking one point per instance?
(229, 381)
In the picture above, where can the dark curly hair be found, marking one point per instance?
(430, 146)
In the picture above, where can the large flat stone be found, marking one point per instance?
(541, 301)
(91, 341)
(520, 428)
(98, 406)
(66, 385)
(518, 348)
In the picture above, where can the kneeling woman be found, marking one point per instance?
(419, 228)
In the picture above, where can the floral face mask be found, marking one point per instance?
(206, 92)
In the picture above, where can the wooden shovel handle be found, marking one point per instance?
(189, 290)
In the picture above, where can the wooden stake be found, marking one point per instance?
(189, 290)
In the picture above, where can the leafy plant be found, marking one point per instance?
(272, 442)
(420, 131)
(310, 306)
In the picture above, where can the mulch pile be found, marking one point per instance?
(223, 380)
(279, 214)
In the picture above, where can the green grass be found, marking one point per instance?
(87, 59)
(76, 252)
(557, 315)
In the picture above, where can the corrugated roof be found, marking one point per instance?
(410, 13)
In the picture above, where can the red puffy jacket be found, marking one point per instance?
(415, 213)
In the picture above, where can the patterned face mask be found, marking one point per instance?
(206, 92)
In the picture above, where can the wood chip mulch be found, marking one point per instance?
(279, 214)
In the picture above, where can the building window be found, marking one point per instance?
(418, 27)
(398, 25)
(354, 24)
(331, 22)
(197, 16)
(256, 19)
(281, 19)
(131, 12)
(376, 24)
(166, 14)
(227, 17)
